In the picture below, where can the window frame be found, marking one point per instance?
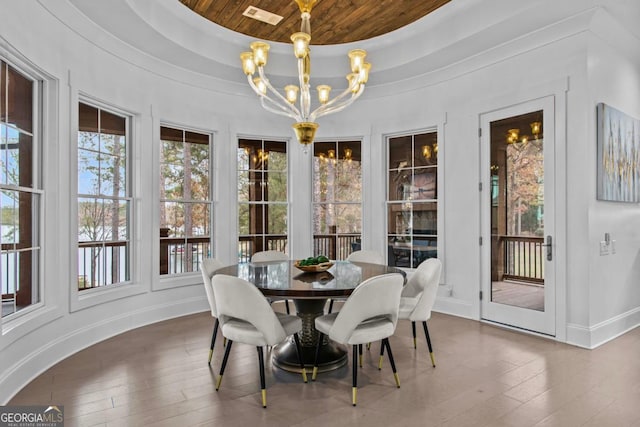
(286, 203)
(209, 201)
(315, 204)
(439, 198)
(95, 296)
(37, 109)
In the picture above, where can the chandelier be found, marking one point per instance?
(272, 100)
(513, 135)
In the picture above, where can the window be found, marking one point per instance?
(20, 187)
(104, 199)
(185, 200)
(412, 208)
(337, 189)
(262, 197)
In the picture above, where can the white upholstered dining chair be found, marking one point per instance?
(246, 317)
(371, 257)
(369, 314)
(208, 266)
(418, 297)
(270, 255)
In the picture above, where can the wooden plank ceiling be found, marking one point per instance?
(332, 21)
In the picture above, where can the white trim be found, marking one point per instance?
(603, 332)
(454, 307)
(79, 300)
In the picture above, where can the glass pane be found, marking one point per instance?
(10, 206)
(243, 158)
(399, 217)
(277, 155)
(174, 218)
(88, 172)
(172, 152)
(6, 154)
(173, 176)
(348, 181)
(400, 154)
(199, 171)
(400, 185)
(349, 218)
(276, 188)
(425, 149)
(425, 219)
(243, 219)
(199, 223)
(20, 101)
(116, 214)
(112, 124)
(517, 201)
(91, 220)
(112, 181)
(89, 140)
(243, 186)
(88, 119)
(277, 219)
(112, 144)
(250, 154)
(322, 217)
(425, 185)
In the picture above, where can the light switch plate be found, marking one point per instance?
(604, 248)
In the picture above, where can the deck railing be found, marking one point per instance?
(104, 264)
(523, 258)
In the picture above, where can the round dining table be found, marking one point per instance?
(310, 292)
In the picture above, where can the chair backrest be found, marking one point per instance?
(372, 257)
(238, 299)
(207, 267)
(376, 297)
(266, 256)
(423, 285)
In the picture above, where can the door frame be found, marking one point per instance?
(554, 106)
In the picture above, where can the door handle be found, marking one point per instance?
(548, 245)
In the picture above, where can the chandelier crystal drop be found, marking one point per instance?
(272, 100)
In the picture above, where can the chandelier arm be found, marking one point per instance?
(264, 100)
(337, 104)
(305, 96)
(283, 104)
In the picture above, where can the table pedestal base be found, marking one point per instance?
(331, 356)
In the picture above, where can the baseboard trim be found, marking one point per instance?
(603, 332)
(454, 307)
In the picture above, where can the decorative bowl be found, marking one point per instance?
(316, 268)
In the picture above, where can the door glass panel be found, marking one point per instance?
(517, 201)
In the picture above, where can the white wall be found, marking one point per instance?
(566, 58)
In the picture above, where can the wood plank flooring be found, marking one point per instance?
(485, 376)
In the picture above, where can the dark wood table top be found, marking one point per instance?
(283, 279)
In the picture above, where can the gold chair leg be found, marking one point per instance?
(264, 398)
(395, 375)
(433, 359)
(354, 395)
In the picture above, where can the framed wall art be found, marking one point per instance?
(618, 138)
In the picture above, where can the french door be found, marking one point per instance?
(517, 216)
